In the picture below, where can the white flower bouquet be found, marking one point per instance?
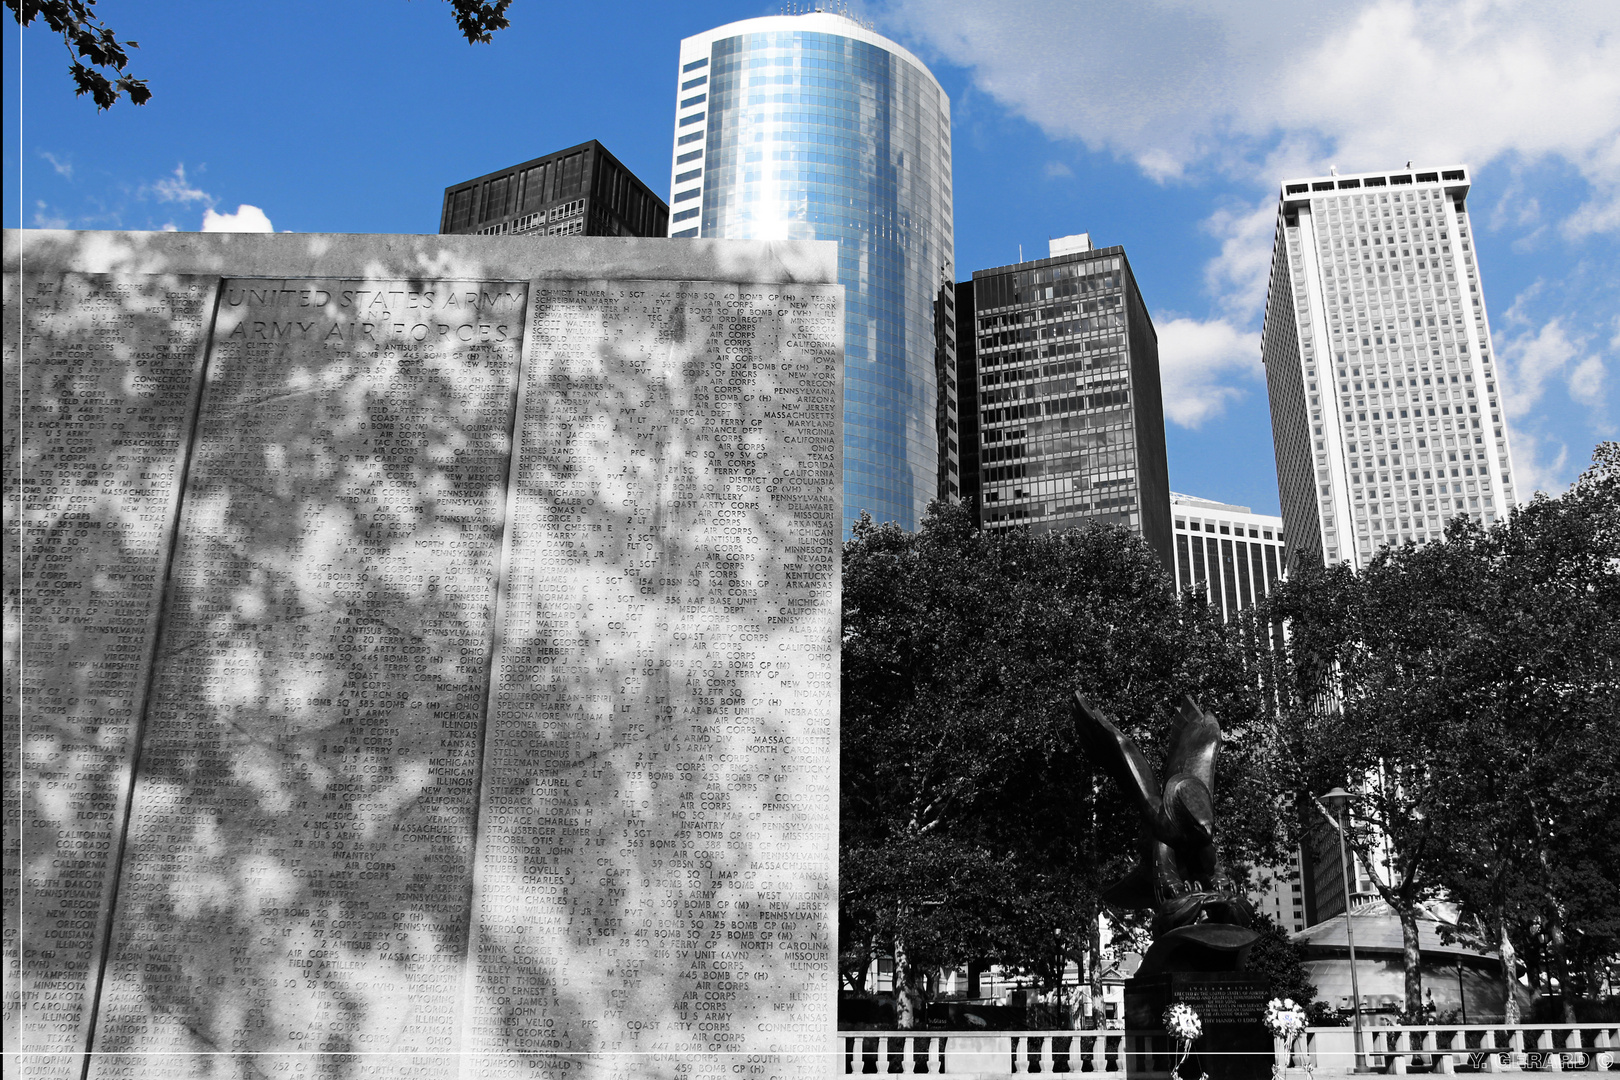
(1284, 1019)
(1183, 1025)
(1182, 1022)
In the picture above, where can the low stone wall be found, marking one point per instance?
(1318, 1052)
(1450, 1048)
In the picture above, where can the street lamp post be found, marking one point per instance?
(1339, 798)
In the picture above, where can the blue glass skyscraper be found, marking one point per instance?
(814, 127)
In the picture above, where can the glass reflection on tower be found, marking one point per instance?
(814, 127)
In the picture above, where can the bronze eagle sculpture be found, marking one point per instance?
(1200, 920)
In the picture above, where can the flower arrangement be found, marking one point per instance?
(1182, 1022)
(1284, 1019)
(1183, 1025)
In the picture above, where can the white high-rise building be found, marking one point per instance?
(1230, 555)
(815, 127)
(1385, 399)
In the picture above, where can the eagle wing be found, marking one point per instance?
(1119, 755)
(1195, 741)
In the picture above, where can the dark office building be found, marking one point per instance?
(946, 398)
(1071, 420)
(967, 378)
(581, 191)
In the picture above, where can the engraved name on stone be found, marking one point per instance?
(652, 887)
(301, 835)
(420, 674)
(106, 382)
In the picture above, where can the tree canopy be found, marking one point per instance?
(104, 77)
(973, 826)
(1466, 693)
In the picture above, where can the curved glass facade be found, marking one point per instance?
(813, 127)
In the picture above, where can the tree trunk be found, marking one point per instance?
(1591, 967)
(1533, 965)
(1555, 934)
(907, 999)
(1094, 968)
(855, 976)
(1560, 966)
(1412, 961)
(1510, 974)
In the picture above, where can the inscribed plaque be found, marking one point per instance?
(422, 655)
(301, 837)
(106, 383)
(653, 888)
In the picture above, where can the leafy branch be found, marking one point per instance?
(97, 59)
(86, 37)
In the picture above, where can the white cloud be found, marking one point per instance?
(1056, 169)
(1265, 88)
(1530, 471)
(63, 168)
(1596, 215)
(1196, 361)
(1533, 359)
(1586, 381)
(46, 218)
(1529, 361)
(1255, 90)
(246, 219)
(1239, 275)
(178, 189)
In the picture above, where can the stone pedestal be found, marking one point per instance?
(1235, 1044)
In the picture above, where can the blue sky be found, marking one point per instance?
(1162, 125)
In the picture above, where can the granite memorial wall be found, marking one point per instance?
(421, 655)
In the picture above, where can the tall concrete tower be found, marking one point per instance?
(1385, 396)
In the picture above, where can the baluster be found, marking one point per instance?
(1488, 1044)
(1445, 1061)
(1398, 1046)
(1552, 1060)
(1516, 1048)
(920, 1048)
(1600, 1057)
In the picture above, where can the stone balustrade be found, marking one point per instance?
(1440, 1048)
(1006, 1053)
(1446, 1048)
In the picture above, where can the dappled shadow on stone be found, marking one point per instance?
(437, 749)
